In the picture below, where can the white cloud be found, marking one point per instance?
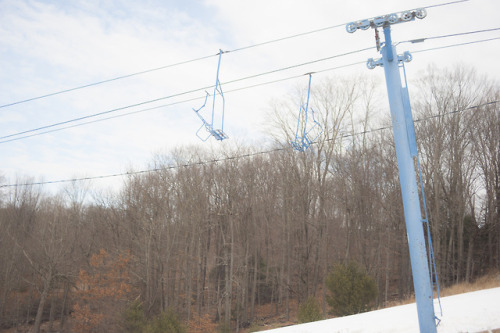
(46, 47)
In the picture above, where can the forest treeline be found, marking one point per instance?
(213, 234)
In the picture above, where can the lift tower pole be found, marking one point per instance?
(406, 151)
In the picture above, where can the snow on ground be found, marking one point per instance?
(477, 311)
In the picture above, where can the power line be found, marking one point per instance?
(106, 81)
(208, 87)
(177, 95)
(170, 167)
(454, 45)
(458, 111)
(419, 40)
(288, 37)
(423, 119)
(446, 4)
(176, 103)
(101, 113)
(192, 60)
(168, 66)
(302, 64)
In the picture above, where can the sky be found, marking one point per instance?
(470, 312)
(47, 47)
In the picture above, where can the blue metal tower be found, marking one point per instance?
(406, 151)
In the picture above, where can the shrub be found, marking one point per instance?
(202, 324)
(351, 289)
(223, 328)
(134, 319)
(309, 311)
(166, 322)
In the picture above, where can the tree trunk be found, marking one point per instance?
(254, 283)
(64, 310)
(469, 266)
(43, 299)
(387, 267)
(52, 313)
(229, 275)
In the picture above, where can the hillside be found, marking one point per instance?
(471, 307)
(476, 311)
(466, 307)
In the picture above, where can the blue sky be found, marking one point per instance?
(48, 46)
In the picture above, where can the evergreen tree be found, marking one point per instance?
(134, 318)
(309, 311)
(351, 289)
(166, 322)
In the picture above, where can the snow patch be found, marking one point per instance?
(476, 311)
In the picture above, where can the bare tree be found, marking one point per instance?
(485, 135)
(448, 161)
